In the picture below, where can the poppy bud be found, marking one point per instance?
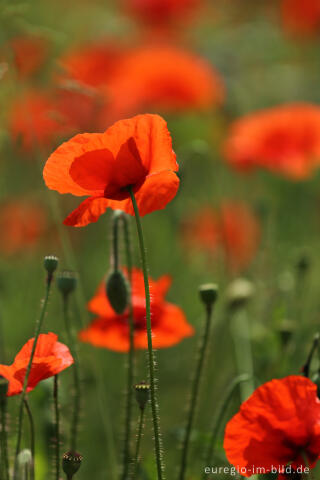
(4, 384)
(50, 264)
(71, 462)
(240, 291)
(208, 293)
(117, 290)
(142, 394)
(67, 282)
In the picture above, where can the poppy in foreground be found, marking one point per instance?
(109, 330)
(232, 229)
(51, 357)
(278, 425)
(135, 153)
(283, 139)
(301, 18)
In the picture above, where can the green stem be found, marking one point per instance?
(25, 383)
(57, 424)
(4, 441)
(195, 392)
(76, 377)
(130, 378)
(220, 416)
(137, 452)
(151, 356)
(32, 437)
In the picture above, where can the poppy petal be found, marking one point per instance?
(88, 211)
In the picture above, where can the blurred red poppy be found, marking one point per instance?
(92, 65)
(29, 54)
(22, 224)
(50, 358)
(164, 78)
(162, 12)
(34, 121)
(301, 17)
(232, 229)
(109, 330)
(136, 152)
(284, 139)
(278, 425)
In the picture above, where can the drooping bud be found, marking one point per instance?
(142, 390)
(67, 282)
(50, 264)
(239, 292)
(71, 462)
(208, 294)
(117, 290)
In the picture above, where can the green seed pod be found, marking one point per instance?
(67, 282)
(71, 462)
(142, 394)
(208, 293)
(50, 263)
(239, 293)
(117, 290)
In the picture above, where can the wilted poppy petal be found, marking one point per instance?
(88, 211)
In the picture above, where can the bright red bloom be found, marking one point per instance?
(233, 229)
(22, 225)
(284, 139)
(34, 121)
(29, 54)
(164, 78)
(161, 12)
(301, 17)
(277, 425)
(50, 358)
(109, 330)
(136, 152)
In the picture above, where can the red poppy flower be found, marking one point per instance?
(92, 65)
(29, 54)
(164, 78)
(161, 12)
(111, 331)
(284, 139)
(22, 224)
(233, 229)
(278, 425)
(136, 152)
(34, 121)
(301, 18)
(51, 357)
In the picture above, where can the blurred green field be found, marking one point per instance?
(261, 67)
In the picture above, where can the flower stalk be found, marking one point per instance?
(4, 468)
(56, 424)
(50, 264)
(32, 438)
(208, 295)
(151, 355)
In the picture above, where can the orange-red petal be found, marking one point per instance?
(88, 211)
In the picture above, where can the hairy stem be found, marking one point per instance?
(32, 437)
(151, 356)
(25, 382)
(135, 469)
(76, 376)
(4, 440)
(195, 392)
(57, 424)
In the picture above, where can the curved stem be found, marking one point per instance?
(76, 377)
(130, 378)
(32, 437)
(25, 382)
(151, 356)
(57, 424)
(4, 440)
(195, 392)
(137, 452)
(219, 417)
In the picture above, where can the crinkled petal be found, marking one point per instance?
(88, 211)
